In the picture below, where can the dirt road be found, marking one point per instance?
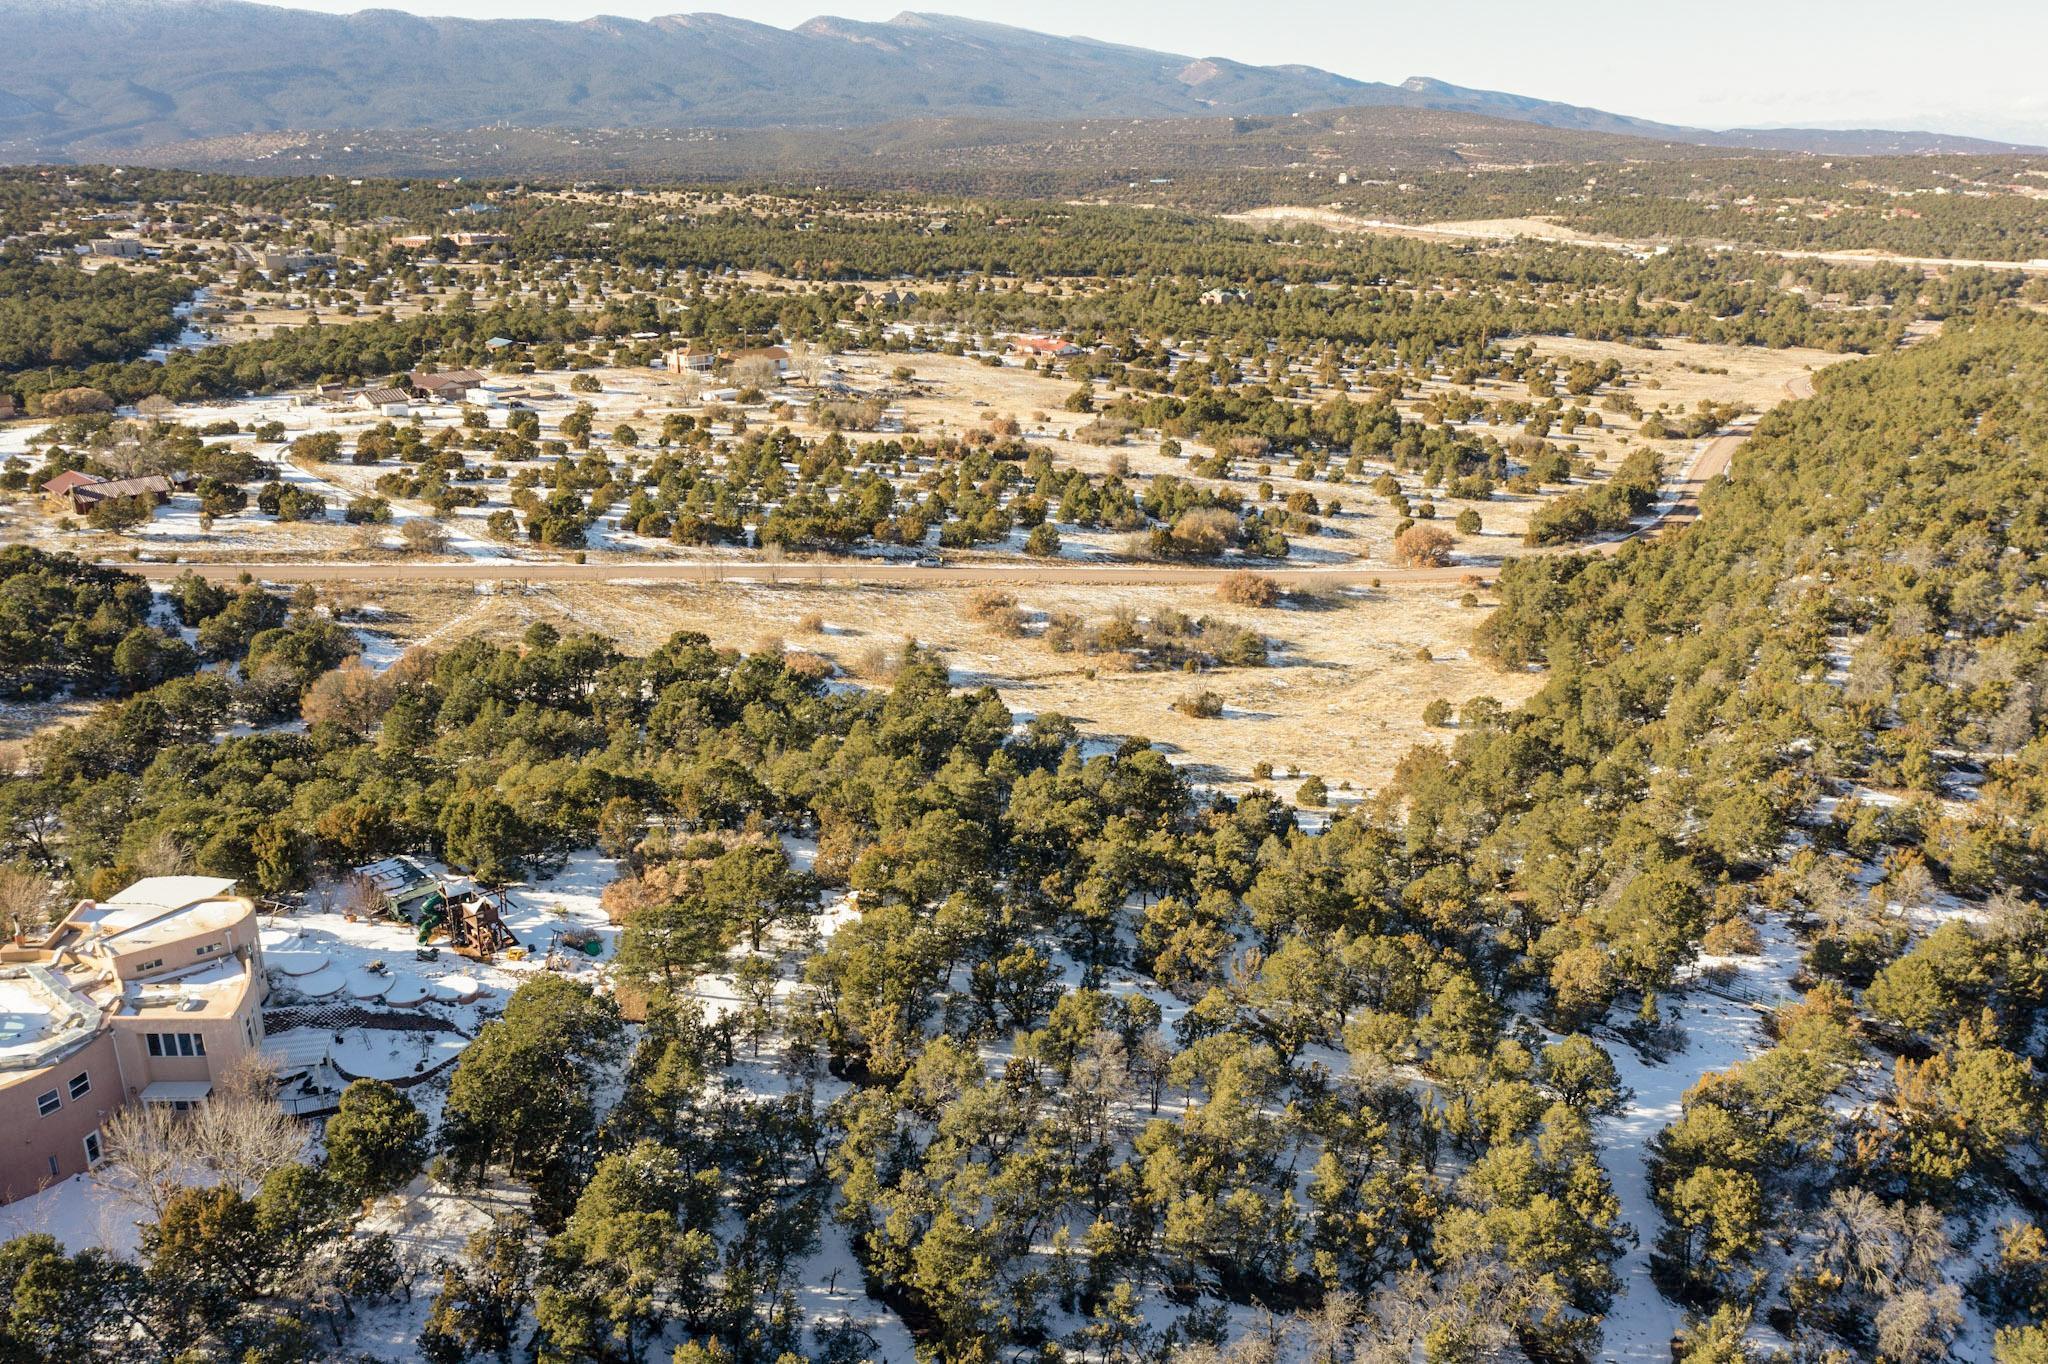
(1509, 229)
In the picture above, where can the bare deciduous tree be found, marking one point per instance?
(240, 1131)
(149, 1155)
(163, 855)
(25, 900)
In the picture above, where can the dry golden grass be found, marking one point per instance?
(1344, 697)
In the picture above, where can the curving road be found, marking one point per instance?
(1680, 506)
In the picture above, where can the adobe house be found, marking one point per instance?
(146, 997)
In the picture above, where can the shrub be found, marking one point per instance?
(1245, 588)
(1204, 705)
(367, 510)
(1312, 794)
(1043, 542)
(1424, 546)
(1437, 713)
(1468, 522)
(121, 513)
(987, 603)
(1736, 937)
(71, 402)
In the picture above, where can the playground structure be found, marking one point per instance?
(473, 922)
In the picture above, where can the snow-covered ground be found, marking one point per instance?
(1719, 1032)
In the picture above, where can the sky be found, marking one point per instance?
(1965, 66)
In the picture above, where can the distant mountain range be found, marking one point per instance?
(92, 79)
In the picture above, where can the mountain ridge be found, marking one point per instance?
(94, 79)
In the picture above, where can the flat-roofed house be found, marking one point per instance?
(146, 997)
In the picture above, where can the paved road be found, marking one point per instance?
(1681, 505)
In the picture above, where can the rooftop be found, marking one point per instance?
(214, 990)
(41, 1017)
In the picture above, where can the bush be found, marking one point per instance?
(1468, 522)
(1204, 705)
(121, 513)
(1312, 794)
(1437, 713)
(987, 603)
(1424, 546)
(1245, 588)
(71, 402)
(1043, 542)
(288, 502)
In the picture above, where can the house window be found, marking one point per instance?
(209, 949)
(175, 1043)
(48, 1103)
(80, 1084)
(93, 1153)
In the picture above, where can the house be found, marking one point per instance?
(1044, 347)
(64, 484)
(85, 496)
(156, 407)
(276, 261)
(444, 386)
(774, 356)
(392, 402)
(117, 248)
(688, 360)
(148, 997)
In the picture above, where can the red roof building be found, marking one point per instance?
(62, 484)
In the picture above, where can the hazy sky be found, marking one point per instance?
(1965, 66)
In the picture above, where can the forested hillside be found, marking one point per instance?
(1103, 1068)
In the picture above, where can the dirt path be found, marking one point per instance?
(1509, 229)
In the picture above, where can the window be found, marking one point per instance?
(48, 1103)
(80, 1084)
(150, 965)
(175, 1043)
(93, 1154)
(208, 950)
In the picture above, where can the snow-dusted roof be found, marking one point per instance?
(396, 875)
(153, 898)
(173, 892)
